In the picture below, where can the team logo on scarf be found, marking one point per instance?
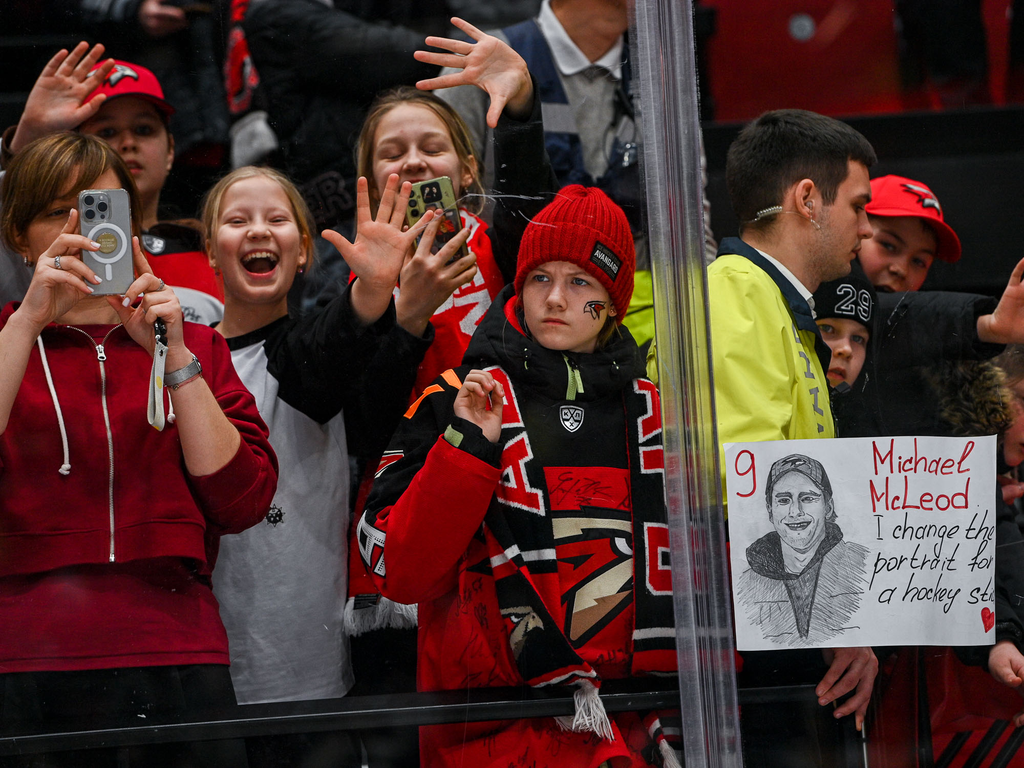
(572, 417)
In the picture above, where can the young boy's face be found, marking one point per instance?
(134, 128)
(848, 341)
(899, 253)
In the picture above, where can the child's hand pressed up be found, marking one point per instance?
(489, 64)
(380, 248)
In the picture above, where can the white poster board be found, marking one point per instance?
(907, 560)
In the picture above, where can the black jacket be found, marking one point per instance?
(914, 332)
(319, 70)
(972, 399)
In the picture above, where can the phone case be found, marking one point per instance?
(105, 217)
(436, 194)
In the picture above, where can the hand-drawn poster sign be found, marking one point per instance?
(862, 541)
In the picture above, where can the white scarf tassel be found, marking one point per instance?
(668, 756)
(385, 614)
(590, 713)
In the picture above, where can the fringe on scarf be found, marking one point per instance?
(385, 614)
(590, 714)
(669, 758)
(664, 728)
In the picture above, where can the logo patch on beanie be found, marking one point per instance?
(607, 261)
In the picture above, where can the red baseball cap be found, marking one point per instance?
(127, 79)
(899, 196)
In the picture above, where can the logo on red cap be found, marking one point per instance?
(924, 196)
(119, 72)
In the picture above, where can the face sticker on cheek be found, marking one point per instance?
(594, 309)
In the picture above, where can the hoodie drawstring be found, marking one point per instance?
(65, 468)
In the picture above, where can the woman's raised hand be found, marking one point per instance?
(480, 401)
(489, 64)
(61, 279)
(429, 279)
(380, 248)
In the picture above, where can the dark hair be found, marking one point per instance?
(780, 148)
(56, 166)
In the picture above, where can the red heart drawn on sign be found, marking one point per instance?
(988, 618)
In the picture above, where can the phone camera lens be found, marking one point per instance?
(412, 203)
(416, 212)
(89, 213)
(89, 200)
(102, 206)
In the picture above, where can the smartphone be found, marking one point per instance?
(105, 217)
(436, 195)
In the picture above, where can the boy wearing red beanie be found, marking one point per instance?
(542, 450)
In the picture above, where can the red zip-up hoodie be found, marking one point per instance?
(127, 524)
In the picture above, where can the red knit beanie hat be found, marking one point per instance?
(584, 227)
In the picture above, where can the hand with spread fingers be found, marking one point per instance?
(57, 101)
(480, 401)
(490, 64)
(61, 279)
(1006, 324)
(380, 248)
(428, 279)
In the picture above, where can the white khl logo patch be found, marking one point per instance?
(572, 417)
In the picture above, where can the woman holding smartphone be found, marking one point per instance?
(109, 528)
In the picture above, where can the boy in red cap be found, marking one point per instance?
(909, 234)
(542, 450)
(123, 104)
(918, 330)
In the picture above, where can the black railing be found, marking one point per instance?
(409, 709)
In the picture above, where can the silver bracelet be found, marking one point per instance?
(175, 378)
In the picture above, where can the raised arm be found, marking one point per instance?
(489, 64)
(1006, 324)
(57, 101)
(61, 279)
(523, 177)
(208, 439)
(380, 248)
(433, 488)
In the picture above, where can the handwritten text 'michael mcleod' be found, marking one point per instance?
(906, 477)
